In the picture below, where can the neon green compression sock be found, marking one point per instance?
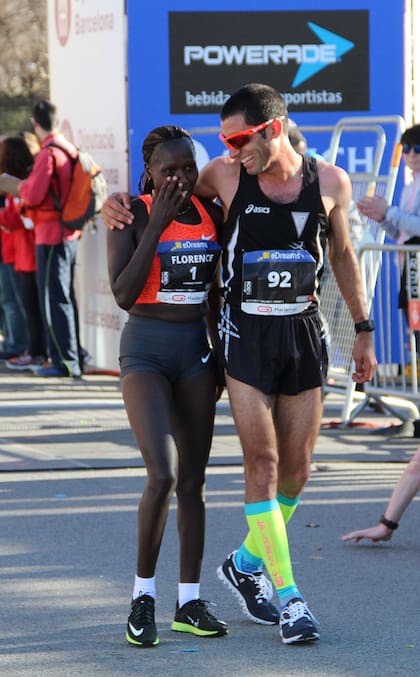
(249, 547)
(267, 527)
(287, 506)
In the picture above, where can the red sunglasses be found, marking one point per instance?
(239, 139)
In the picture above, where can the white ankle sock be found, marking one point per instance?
(144, 586)
(187, 592)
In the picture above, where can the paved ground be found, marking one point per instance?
(69, 486)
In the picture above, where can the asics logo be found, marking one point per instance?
(205, 359)
(134, 630)
(256, 210)
(194, 621)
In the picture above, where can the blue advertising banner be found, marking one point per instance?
(308, 56)
(343, 59)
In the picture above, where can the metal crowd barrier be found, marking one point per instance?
(396, 382)
(383, 132)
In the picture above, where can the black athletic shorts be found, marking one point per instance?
(178, 350)
(285, 355)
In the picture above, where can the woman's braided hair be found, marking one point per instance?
(153, 139)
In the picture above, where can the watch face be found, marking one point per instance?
(366, 325)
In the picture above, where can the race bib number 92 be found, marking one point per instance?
(277, 282)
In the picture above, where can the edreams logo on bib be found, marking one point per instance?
(253, 209)
(310, 57)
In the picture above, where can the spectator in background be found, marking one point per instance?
(12, 318)
(404, 492)
(297, 140)
(56, 245)
(299, 143)
(402, 223)
(19, 237)
(13, 321)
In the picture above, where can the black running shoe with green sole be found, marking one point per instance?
(141, 627)
(195, 617)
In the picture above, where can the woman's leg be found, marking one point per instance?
(148, 401)
(194, 409)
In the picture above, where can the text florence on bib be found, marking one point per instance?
(187, 270)
(277, 282)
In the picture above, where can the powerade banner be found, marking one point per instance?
(311, 57)
(343, 59)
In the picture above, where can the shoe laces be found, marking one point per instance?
(264, 586)
(142, 612)
(296, 610)
(203, 604)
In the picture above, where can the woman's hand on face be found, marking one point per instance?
(167, 202)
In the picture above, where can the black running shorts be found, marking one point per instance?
(177, 350)
(284, 355)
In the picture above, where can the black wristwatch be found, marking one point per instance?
(365, 325)
(389, 523)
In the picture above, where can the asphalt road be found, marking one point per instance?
(69, 485)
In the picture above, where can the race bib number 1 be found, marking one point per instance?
(187, 270)
(277, 282)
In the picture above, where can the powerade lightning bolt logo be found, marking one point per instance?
(341, 45)
(311, 58)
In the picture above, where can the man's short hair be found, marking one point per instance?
(45, 114)
(257, 103)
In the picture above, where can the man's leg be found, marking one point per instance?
(249, 584)
(269, 428)
(55, 278)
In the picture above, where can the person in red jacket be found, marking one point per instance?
(12, 316)
(56, 245)
(18, 245)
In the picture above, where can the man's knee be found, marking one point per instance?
(292, 481)
(261, 471)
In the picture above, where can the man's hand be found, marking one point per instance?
(116, 211)
(364, 358)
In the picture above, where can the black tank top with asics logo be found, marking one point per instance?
(274, 230)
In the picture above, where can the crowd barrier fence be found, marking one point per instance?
(396, 381)
(384, 133)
